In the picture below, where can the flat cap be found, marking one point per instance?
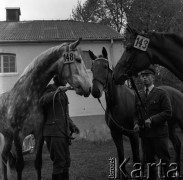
(149, 70)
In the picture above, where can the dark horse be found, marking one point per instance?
(120, 101)
(164, 49)
(20, 112)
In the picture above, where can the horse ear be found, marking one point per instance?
(75, 44)
(104, 53)
(131, 30)
(92, 55)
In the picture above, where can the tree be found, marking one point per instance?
(108, 12)
(86, 12)
(155, 15)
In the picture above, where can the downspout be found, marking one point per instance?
(111, 54)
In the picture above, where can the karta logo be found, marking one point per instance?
(137, 172)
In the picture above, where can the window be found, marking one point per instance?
(87, 59)
(8, 63)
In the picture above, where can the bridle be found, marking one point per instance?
(104, 83)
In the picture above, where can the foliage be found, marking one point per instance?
(155, 15)
(108, 12)
(164, 15)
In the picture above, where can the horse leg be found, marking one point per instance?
(118, 140)
(6, 143)
(176, 144)
(38, 160)
(19, 161)
(134, 141)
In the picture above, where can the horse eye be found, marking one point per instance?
(78, 60)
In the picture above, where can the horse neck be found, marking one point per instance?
(110, 94)
(167, 51)
(38, 74)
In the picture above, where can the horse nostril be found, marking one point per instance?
(96, 93)
(90, 90)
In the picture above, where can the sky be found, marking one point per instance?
(40, 9)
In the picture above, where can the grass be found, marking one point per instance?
(89, 160)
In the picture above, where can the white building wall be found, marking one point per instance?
(25, 53)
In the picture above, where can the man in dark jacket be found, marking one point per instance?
(152, 122)
(58, 127)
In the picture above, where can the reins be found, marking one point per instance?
(118, 125)
(110, 117)
(141, 102)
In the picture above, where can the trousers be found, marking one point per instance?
(58, 148)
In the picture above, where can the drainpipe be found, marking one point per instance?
(111, 54)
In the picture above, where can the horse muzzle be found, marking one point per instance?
(82, 92)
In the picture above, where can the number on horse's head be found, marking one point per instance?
(72, 68)
(101, 70)
(135, 58)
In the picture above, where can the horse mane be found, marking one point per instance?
(36, 61)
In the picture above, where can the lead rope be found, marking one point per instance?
(67, 88)
(138, 95)
(121, 127)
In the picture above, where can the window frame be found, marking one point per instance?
(2, 72)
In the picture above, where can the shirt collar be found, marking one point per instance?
(150, 88)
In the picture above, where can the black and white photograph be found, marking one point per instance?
(91, 90)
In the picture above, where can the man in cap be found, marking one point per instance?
(151, 121)
(58, 127)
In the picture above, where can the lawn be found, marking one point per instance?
(90, 160)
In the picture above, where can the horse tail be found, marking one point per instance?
(11, 162)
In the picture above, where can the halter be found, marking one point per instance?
(105, 84)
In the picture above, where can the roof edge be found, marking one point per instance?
(63, 40)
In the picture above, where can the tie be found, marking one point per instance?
(146, 92)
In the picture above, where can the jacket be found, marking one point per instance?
(158, 108)
(55, 106)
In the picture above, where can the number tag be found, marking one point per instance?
(141, 43)
(68, 57)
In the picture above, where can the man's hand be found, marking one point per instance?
(64, 88)
(74, 129)
(148, 123)
(136, 128)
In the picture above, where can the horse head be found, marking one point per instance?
(71, 67)
(134, 59)
(100, 70)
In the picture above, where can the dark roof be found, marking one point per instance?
(54, 30)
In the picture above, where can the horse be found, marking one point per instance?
(20, 110)
(143, 49)
(155, 48)
(120, 105)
